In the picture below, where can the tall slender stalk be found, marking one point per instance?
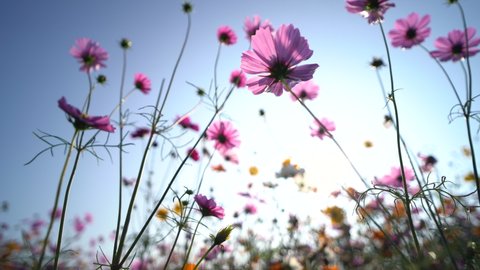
(120, 152)
(65, 201)
(288, 88)
(57, 197)
(468, 102)
(158, 113)
(399, 146)
(174, 177)
(191, 243)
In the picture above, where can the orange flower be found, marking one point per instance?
(330, 267)
(189, 266)
(218, 168)
(275, 266)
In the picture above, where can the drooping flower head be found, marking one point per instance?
(238, 78)
(140, 132)
(410, 31)
(208, 207)
(89, 54)
(226, 35)
(186, 123)
(428, 162)
(394, 179)
(193, 154)
(373, 10)
(142, 83)
(274, 60)
(224, 135)
(454, 46)
(252, 25)
(323, 128)
(305, 90)
(82, 121)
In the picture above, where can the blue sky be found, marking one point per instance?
(37, 70)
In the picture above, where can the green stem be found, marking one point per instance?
(468, 102)
(180, 227)
(65, 203)
(399, 146)
(288, 88)
(203, 257)
(174, 177)
(57, 197)
(120, 152)
(191, 242)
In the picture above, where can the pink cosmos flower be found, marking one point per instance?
(394, 179)
(238, 78)
(323, 129)
(187, 123)
(208, 207)
(224, 135)
(88, 218)
(89, 54)
(410, 31)
(142, 83)
(82, 121)
(140, 132)
(250, 209)
(226, 35)
(252, 25)
(454, 46)
(193, 154)
(373, 10)
(57, 214)
(230, 156)
(274, 59)
(78, 225)
(305, 90)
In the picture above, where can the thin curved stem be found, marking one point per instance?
(191, 243)
(288, 88)
(399, 147)
(203, 257)
(65, 203)
(120, 152)
(174, 177)
(57, 197)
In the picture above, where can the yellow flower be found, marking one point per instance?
(162, 214)
(469, 177)
(253, 171)
(368, 144)
(336, 214)
(178, 208)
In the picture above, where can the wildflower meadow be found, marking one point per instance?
(240, 135)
